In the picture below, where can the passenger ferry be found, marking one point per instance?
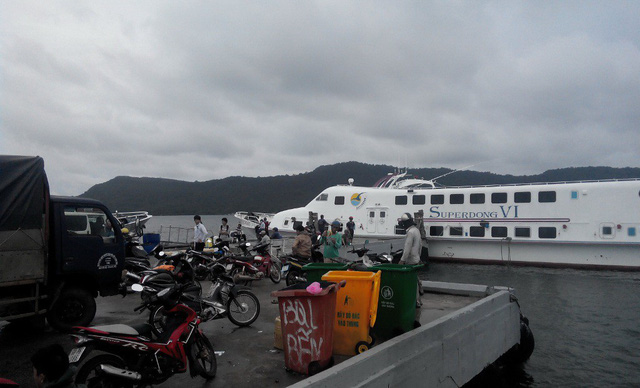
(592, 224)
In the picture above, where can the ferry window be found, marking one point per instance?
(476, 231)
(437, 199)
(499, 231)
(436, 230)
(547, 232)
(631, 231)
(547, 196)
(418, 199)
(607, 231)
(286, 222)
(455, 231)
(339, 200)
(456, 199)
(322, 197)
(383, 214)
(522, 197)
(574, 194)
(476, 198)
(401, 200)
(372, 214)
(498, 197)
(523, 232)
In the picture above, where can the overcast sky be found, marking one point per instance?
(200, 90)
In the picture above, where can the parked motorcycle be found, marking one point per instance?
(292, 269)
(127, 356)
(224, 299)
(264, 262)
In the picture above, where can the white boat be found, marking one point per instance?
(591, 224)
(129, 219)
(252, 219)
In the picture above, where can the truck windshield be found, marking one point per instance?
(88, 222)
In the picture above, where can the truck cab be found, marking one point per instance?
(87, 244)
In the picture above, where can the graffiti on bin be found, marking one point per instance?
(306, 339)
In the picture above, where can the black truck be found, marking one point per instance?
(57, 254)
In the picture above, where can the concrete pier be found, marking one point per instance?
(464, 329)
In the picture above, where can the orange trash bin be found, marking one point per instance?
(356, 310)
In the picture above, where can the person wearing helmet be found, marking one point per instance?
(413, 241)
(412, 248)
(332, 240)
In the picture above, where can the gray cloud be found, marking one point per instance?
(200, 91)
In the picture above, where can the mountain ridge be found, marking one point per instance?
(164, 196)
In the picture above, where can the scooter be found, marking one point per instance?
(130, 356)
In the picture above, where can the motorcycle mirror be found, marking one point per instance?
(137, 287)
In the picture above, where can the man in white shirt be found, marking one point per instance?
(199, 234)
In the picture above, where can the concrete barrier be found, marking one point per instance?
(447, 352)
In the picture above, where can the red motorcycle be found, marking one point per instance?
(130, 357)
(264, 262)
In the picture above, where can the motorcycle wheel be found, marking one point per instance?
(274, 273)
(158, 320)
(243, 309)
(204, 357)
(89, 373)
(292, 277)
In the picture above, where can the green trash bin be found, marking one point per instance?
(397, 301)
(314, 271)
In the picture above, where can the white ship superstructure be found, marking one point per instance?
(577, 224)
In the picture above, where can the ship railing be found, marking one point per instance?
(537, 183)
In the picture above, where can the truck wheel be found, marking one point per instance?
(74, 307)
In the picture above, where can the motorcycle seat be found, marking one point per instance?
(248, 259)
(119, 328)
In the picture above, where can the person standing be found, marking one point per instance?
(322, 224)
(199, 233)
(351, 228)
(332, 240)
(412, 247)
(224, 234)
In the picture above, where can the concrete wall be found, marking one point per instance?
(447, 352)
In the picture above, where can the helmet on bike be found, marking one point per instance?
(335, 224)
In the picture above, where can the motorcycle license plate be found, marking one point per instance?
(285, 268)
(76, 354)
(228, 267)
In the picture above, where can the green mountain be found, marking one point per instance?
(271, 194)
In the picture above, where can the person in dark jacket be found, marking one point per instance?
(51, 368)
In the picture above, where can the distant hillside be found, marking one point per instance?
(271, 194)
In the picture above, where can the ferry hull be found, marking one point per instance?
(539, 254)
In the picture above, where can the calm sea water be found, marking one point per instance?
(586, 324)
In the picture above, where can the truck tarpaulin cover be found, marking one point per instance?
(22, 192)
